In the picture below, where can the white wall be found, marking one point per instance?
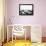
(39, 16)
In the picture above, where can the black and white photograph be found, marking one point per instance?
(25, 9)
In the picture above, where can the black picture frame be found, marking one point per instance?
(24, 12)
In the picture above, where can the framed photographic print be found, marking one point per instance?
(25, 9)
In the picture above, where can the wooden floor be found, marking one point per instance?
(23, 43)
(43, 39)
(18, 43)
